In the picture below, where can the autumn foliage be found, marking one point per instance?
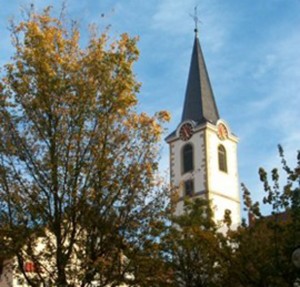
(81, 202)
(78, 163)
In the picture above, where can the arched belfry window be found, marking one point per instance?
(187, 158)
(222, 158)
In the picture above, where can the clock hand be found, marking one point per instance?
(186, 132)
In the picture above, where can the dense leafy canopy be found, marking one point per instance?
(78, 164)
(79, 194)
(263, 249)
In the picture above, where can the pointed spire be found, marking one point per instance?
(199, 104)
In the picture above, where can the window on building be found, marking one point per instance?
(187, 158)
(31, 267)
(189, 187)
(222, 158)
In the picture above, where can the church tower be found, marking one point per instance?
(203, 150)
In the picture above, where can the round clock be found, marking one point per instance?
(186, 131)
(222, 132)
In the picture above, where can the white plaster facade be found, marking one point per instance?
(221, 188)
(11, 276)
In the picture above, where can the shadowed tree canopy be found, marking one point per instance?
(262, 251)
(77, 162)
(257, 254)
(194, 247)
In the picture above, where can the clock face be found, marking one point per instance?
(222, 132)
(186, 131)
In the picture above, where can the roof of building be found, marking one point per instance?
(199, 104)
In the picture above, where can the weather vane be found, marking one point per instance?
(195, 18)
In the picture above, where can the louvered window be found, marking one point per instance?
(189, 187)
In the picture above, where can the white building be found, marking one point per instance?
(203, 150)
(44, 268)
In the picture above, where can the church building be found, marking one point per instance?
(203, 150)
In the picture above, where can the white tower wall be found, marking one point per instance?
(221, 188)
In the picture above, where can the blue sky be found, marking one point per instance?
(252, 52)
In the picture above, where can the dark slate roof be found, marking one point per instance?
(199, 103)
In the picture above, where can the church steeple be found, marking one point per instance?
(203, 151)
(199, 103)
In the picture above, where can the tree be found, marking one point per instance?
(77, 162)
(262, 250)
(195, 246)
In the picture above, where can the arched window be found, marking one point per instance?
(187, 158)
(222, 158)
